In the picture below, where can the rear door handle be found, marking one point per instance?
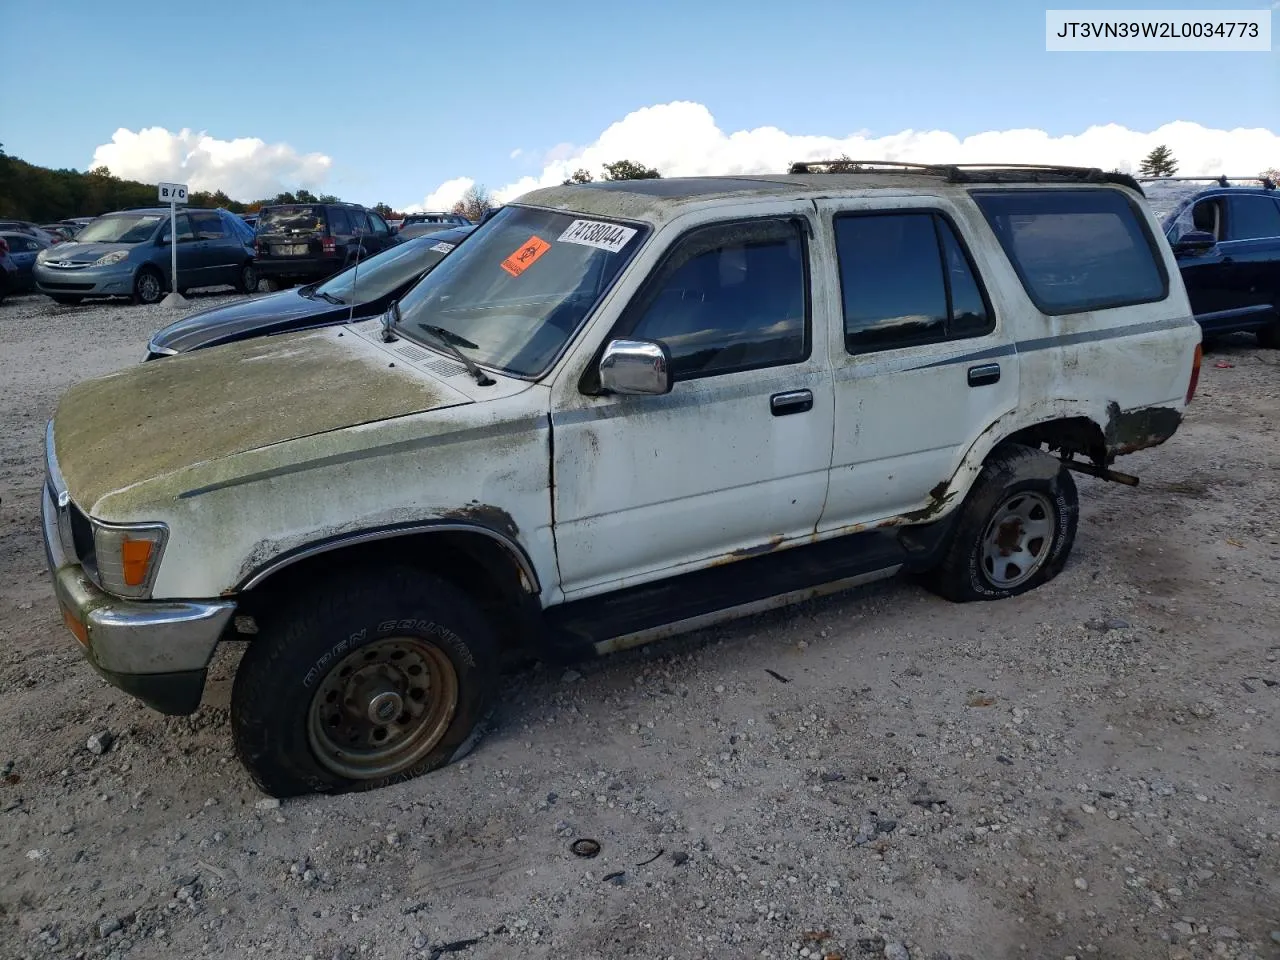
(793, 401)
(984, 374)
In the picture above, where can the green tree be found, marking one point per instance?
(579, 176)
(630, 170)
(1159, 163)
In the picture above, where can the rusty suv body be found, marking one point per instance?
(605, 417)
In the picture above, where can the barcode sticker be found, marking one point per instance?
(593, 233)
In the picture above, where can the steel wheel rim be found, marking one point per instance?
(1017, 540)
(149, 287)
(382, 708)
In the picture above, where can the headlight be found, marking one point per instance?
(128, 556)
(107, 259)
(43, 255)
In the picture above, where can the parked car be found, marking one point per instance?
(306, 242)
(1225, 233)
(127, 254)
(59, 231)
(251, 219)
(8, 271)
(420, 224)
(24, 249)
(616, 411)
(27, 227)
(361, 291)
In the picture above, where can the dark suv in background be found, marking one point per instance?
(1225, 233)
(305, 242)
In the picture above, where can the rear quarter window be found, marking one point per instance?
(1077, 250)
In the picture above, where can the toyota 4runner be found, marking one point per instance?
(619, 410)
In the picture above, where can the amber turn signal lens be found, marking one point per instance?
(135, 558)
(76, 627)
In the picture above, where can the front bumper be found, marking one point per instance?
(155, 650)
(113, 281)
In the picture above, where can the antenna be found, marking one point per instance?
(355, 277)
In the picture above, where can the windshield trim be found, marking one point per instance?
(645, 231)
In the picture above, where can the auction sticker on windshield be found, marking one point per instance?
(441, 247)
(593, 233)
(525, 256)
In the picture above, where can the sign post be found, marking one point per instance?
(173, 194)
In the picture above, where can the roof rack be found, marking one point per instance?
(1221, 180)
(972, 172)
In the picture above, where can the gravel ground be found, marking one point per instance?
(1086, 771)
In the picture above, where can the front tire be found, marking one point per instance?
(148, 287)
(362, 682)
(1015, 529)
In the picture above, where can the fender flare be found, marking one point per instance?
(529, 575)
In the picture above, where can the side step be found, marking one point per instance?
(691, 601)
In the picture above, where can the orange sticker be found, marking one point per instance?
(526, 256)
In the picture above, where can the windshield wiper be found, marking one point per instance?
(451, 341)
(330, 298)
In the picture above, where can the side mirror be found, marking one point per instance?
(1195, 241)
(635, 367)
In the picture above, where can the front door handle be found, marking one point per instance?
(793, 401)
(984, 374)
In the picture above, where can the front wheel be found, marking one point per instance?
(1015, 529)
(367, 681)
(148, 287)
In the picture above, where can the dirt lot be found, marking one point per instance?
(1087, 771)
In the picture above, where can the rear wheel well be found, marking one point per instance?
(1069, 436)
(475, 563)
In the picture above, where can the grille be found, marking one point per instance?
(48, 285)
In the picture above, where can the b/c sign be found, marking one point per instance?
(173, 193)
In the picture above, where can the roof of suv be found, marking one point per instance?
(661, 199)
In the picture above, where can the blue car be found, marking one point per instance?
(23, 250)
(1225, 234)
(128, 254)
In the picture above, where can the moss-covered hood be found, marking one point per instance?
(167, 415)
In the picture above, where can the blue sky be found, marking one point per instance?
(405, 95)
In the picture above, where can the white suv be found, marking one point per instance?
(619, 410)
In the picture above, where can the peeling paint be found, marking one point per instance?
(153, 419)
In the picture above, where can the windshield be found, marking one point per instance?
(121, 228)
(519, 288)
(291, 220)
(1171, 203)
(381, 274)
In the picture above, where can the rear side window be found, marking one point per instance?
(339, 222)
(906, 280)
(1076, 250)
(1252, 218)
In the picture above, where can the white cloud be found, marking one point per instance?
(245, 168)
(444, 196)
(515, 154)
(682, 139)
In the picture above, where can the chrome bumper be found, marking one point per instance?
(156, 650)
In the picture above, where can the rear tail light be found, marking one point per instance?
(258, 246)
(1195, 372)
(4, 246)
(329, 245)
